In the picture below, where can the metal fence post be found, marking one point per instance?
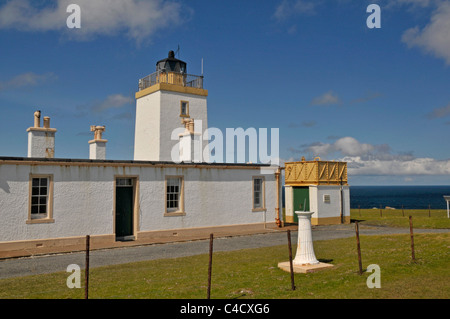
(86, 277)
(290, 260)
(211, 238)
(358, 247)
(413, 256)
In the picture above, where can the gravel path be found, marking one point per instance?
(54, 263)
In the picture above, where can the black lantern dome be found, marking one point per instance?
(171, 64)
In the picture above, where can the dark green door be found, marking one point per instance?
(301, 200)
(124, 207)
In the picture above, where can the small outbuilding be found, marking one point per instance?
(320, 187)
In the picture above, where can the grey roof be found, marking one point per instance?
(134, 162)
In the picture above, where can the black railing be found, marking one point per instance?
(183, 79)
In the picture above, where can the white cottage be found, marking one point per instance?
(50, 204)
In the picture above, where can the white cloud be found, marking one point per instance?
(367, 97)
(26, 79)
(328, 98)
(439, 112)
(103, 107)
(434, 38)
(138, 19)
(350, 146)
(413, 3)
(416, 166)
(114, 101)
(289, 8)
(370, 159)
(345, 146)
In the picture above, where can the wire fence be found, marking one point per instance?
(35, 263)
(393, 211)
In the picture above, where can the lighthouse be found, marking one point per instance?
(167, 100)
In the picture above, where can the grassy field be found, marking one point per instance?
(253, 273)
(422, 218)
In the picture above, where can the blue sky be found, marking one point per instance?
(376, 98)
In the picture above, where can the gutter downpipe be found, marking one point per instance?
(342, 203)
(277, 208)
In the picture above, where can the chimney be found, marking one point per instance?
(41, 140)
(190, 142)
(97, 146)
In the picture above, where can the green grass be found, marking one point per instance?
(421, 218)
(253, 273)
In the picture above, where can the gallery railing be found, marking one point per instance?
(176, 78)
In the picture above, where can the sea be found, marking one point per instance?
(411, 197)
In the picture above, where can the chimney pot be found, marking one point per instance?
(46, 122)
(37, 118)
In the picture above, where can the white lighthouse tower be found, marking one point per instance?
(166, 104)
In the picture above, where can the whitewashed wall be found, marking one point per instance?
(157, 115)
(147, 127)
(170, 119)
(289, 202)
(332, 209)
(41, 143)
(83, 199)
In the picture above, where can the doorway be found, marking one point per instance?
(300, 200)
(124, 219)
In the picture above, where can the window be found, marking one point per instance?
(40, 206)
(124, 182)
(258, 194)
(174, 196)
(184, 109)
(326, 198)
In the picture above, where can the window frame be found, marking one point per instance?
(181, 109)
(180, 211)
(49, 204)
(263, 194)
